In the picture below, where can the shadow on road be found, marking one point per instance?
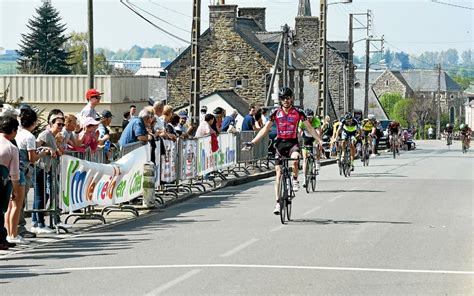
(348, 191)
(329, 221)
(375, 175)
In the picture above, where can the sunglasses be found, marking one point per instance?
(60, 124)
(286, 98)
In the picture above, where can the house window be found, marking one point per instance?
(452, 97)
(386, 82)
(238, 83)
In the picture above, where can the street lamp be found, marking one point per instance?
(323, 85)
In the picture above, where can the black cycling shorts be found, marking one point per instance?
(284, 148)
(308, 141)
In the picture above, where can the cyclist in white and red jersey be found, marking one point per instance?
(286, 118)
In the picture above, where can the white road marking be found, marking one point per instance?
(256, 266)
(278, 228)
(335, 198)
(172, 283)
(239, 248)
(311, 211)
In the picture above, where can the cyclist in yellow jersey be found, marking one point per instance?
(369, 129)
(349, 128)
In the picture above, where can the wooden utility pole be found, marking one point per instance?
(323, 103)
(438, 104)
(275, 66)
(349, 104)
(90, 49)
(367, 69)
(286, 29)
(195, 63)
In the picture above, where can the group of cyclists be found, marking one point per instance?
(292, 121)
(465, 133)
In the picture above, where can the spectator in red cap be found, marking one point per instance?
(93, 97)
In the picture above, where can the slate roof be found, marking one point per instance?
(252, 33)
(427, 80)
(340, 46)
(231, 97)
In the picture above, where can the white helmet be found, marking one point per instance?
(371, 117)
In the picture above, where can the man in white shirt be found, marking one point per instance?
(93, 98)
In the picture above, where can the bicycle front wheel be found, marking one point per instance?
(283, 198)
(289, 199)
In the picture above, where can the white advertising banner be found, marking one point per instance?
(169, 162)
(188, 159)
(224, 157)
(85, 183)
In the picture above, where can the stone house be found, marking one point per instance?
(238, 53)
(423, 84)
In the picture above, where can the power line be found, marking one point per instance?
(453, 5)
(153, 24)
(158, 18)
(175, 11)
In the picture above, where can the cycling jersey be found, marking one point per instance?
(349, 127)
(367, 125)
(394, 126)
(287, 123)
(315, 123)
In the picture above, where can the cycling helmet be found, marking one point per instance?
(309, 112)
(462, 126)
(285, 92)
(371, 117)
(348, 116)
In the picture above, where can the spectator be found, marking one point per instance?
(126, 118)
(133, 111)
(204, 128)
(248, 123)
(182, 126)
(159, 127)
(70, 139)
(46, 141)
(167, 117)
(430, 133)
(88, 136)
(93, 97)
(229, 121)
(104, 134)
(258, 119)
(203, 113)
(264, 116)
(26, 143)
(9, 160)
(136, 130)
(174, 125)
(219, 116)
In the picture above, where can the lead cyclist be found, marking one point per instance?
(286, 118)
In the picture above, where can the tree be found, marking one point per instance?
(77, 46)
(388, 57)
(388, 101)
(42, 50)
(404, 60)
(451, 57)
(466, 57)
(403, 112)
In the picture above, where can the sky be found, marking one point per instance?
(412, 26)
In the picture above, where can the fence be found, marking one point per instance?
(81, 181)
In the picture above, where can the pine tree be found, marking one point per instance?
(42, 50)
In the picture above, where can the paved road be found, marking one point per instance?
(398, 227)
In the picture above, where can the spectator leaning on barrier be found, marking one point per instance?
(183, 127)
(136, 130)
(167, 118)
(228, 124)
(219, 116)
(93, 97)
(248, 124)
(104, 134)
(203, 113)
(204, 128)
(70, 138)
(88, 135)
(264, 115)
(46, 141)
(10, 169)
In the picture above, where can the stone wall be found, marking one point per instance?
(306, 43)
(387, 82)
(336, 78)
(227, 61)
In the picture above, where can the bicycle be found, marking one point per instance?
(345, 163)
(449, 140)
(393, 146)
(311, 171)
(464, 144)
(285, 189)
(365, 151)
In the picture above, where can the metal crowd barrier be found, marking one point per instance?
(254, 158)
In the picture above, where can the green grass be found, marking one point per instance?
(8, 67)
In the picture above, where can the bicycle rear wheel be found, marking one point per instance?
(282, 198)
(394, 150)
(313, 179)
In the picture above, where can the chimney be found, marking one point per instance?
(256, 13)
(222, 16)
